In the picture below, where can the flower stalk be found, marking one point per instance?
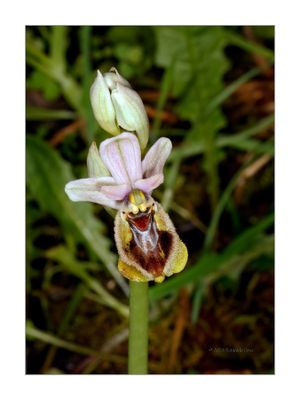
(138, 328)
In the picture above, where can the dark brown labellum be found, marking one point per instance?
(149, 247)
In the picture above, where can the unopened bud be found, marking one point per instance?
(117, 106)
(95, 165)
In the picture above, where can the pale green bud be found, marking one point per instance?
(95, 165)
(117, 106)
(102, 105)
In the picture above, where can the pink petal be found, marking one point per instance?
(122, 156)
(149, 184)
(117, 192)
(156, 157)
(91, 189)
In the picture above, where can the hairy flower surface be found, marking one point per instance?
(116, 105)
(147, 242)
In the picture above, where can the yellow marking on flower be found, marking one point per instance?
(181, 258)
(161, 253)
(143, 207)
(134, 209)
(137, 201)
(130, 272)
(159, 279)
(137, 197)
(125, 233)
(161, 224)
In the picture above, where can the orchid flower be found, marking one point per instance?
(147, 242)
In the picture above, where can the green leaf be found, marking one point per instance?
(53, 65)
(197, 56)
(40, 114)
(231, 88)
(172, 50)
(59, 44)
(264, 32)
(87, 79)
(47, 175)
(197, 302)
(199, 63)
(248, 237)
(33, 333)
(211, 263)
(133, 47)
(238, 40)
(206, 264)
(238, 140)
(65, 258)
(40, 81)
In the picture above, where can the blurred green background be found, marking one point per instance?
(211, 91)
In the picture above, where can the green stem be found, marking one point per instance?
(138, 328)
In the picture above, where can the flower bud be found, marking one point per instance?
(95, 165)
(117, 106)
